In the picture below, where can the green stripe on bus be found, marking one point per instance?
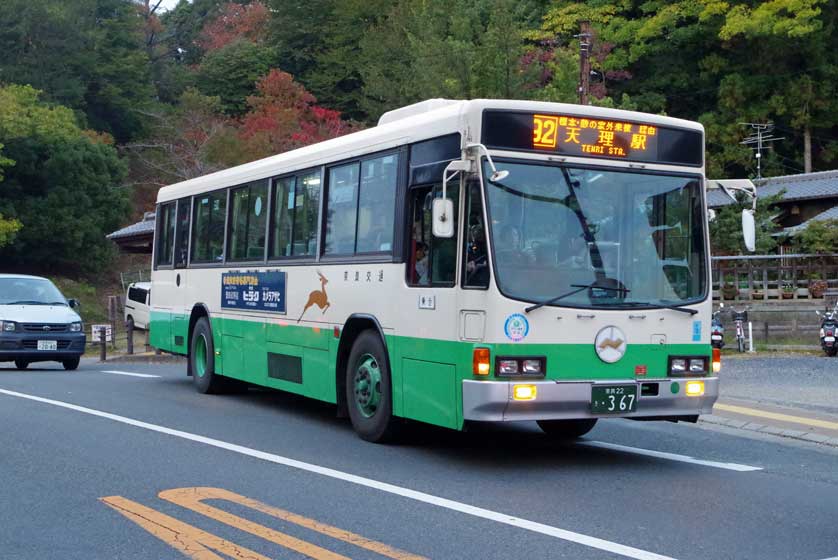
(426, 373)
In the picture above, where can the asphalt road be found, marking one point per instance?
(802, 381)
(91, 461)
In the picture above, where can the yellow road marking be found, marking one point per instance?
(192, 498)
(777, 416)
(189, 540)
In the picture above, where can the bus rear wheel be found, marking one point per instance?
(202, 360)
(369, 394)
(567, 429)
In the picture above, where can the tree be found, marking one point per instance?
(230, 73)
(726, 228)
(63, 186)
(284, 115)
(87, 55)
(460, 49)
(235, 22)
(820, 236)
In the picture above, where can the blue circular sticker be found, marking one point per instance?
(516, 327)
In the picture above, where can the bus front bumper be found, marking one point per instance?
(492, 401)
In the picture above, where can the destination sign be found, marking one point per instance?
(575, 135)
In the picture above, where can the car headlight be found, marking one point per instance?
(75, 327)
(8, 326)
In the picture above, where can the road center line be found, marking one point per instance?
(670, 456)
(548, 530)
(129, 373)
(777, 416)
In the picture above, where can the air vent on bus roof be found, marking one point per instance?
(415, 109)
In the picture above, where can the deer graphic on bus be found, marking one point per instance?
(317, 297)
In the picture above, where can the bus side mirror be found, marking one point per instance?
(749, 229)
(443, 217)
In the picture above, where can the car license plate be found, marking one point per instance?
(613, 399)
(47, 345)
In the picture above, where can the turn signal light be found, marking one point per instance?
(695, 388)
(717, 360)
(480, 361)
(524, 392)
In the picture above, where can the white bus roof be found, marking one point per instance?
(414, 123)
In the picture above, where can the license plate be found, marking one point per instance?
(613, 399)
(829, 339)
(716, 337)
(47, 345)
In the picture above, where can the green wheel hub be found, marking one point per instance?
(366, 385)
(201, 356)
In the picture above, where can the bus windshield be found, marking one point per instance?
(606, 238)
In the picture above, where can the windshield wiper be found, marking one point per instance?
(579, 287)
(56, 303)
(25, 302)
(673, 306)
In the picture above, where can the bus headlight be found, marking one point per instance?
(681, 366)
(508, 366)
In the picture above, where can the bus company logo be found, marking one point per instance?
(317, 297)
(516, 327)
(610, 344)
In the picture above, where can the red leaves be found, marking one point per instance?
(235, 22)
(283, 116)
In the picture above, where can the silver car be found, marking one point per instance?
(38, 324)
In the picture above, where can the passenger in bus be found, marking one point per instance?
(421, 263)
(511, 250)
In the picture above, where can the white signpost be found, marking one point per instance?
(96, 329)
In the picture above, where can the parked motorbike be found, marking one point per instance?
(829, 330)
(739, 319)
(717, 330)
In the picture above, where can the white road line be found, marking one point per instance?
(670, 456)
(129, 373)
(564, 534)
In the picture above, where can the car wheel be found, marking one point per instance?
(71, 364)
(567, 429)
(369, 396)
(21, 364)
(202, 360)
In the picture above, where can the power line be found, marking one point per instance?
(760, 136)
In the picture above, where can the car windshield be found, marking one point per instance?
(627, 239)
(29, 291)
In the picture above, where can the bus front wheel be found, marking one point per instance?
(368, 389)
(202, 360)
(567, 429)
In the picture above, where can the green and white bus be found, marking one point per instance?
(483, 260)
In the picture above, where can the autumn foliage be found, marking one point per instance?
(235, 22)
(284, 115)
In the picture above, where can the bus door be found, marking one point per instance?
(182, 307)
(428, 355)
(475, 271)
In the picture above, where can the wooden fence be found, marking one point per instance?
(767, 277)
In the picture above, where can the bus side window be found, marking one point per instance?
(476, 269)
(184, 209)
(165, 234)
(431, 260)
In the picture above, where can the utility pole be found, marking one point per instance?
(760, 136)
(585, 41)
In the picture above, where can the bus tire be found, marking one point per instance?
(202, 360)
(369, 394)
(567, 429)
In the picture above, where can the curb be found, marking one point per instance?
(147, 357)
(810, 437)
